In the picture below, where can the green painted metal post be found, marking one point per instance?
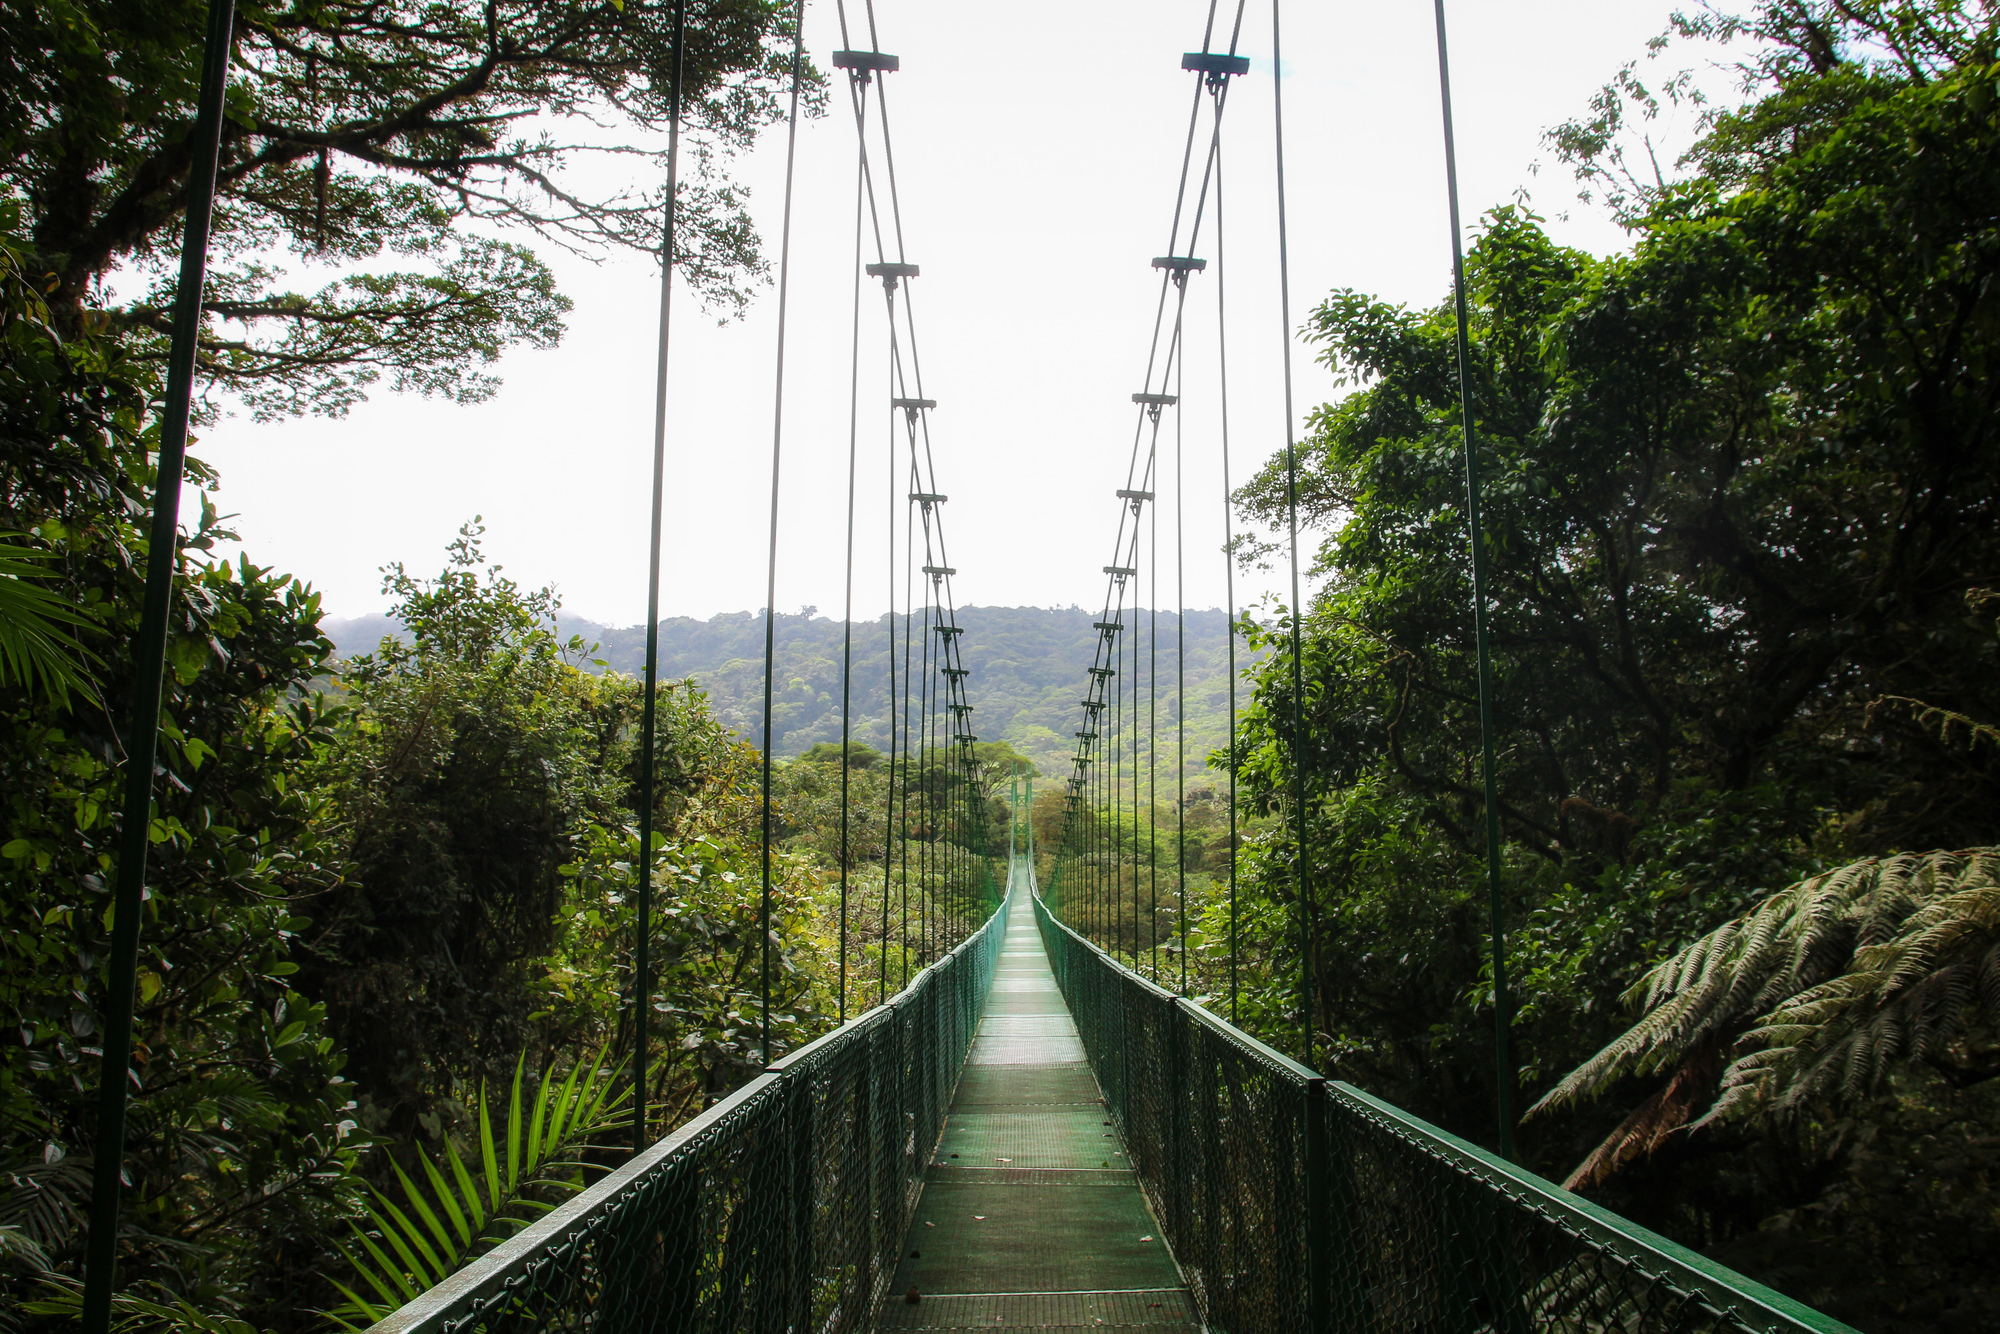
(149, 665)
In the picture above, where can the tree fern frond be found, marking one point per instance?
(1817, 993)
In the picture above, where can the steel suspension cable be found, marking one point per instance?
(149, 655)
(1228, 558)
(903, 880)
(847, 610)
(771, 576)
(1503, 1093)
(1292, 530)
(1180, 698)
(1153, 732)
(1216, 78)
(932, 861)
(642, 991)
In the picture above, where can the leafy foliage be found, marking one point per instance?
(358, 135)
(1808, 998)
(33, 653)
(241, 1147)
(1739, 521)
(453, 1216)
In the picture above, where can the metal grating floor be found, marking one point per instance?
(1029, 1218)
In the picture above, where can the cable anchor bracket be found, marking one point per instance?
(1137, 498)
(892, 273)
(1178, 267)
(861, 64)
(1215, 67)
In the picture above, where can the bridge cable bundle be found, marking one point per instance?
(1093, 851)
(649, 678)
(1091, 854)
(930, 752)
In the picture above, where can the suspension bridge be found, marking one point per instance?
(1024, 1118)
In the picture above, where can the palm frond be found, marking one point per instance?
(447, 1215)
(18, 1247)
(1816, 994)
(35, 653)
(131, 1312)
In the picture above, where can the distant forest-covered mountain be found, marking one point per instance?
(1027, 674)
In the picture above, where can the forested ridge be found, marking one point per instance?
(1744, 555)
(1027, 662)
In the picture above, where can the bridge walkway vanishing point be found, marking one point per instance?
(954, 1141)
(1031, 1215)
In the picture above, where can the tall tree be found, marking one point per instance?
(363, 135)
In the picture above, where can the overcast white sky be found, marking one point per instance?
(1037, 146)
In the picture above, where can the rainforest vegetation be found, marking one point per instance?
(1745, 575)
(1742, 537)
(389, 908)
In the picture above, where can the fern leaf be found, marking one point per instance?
(1816, 993)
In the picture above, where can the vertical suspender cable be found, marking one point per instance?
(771, 567)
(1292, 527)
(926, 757)
(149, 655)
(847, 614)
(1180, 698)
(642, 973)
(1228, 565)
(890, 842)
(1503, 1091)
(903, 839)
(1153, 717)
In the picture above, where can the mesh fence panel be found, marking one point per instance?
(1293, 1202)
(782, 1207)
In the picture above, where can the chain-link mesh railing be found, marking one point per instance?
(783, 1207)
(1294, 1202)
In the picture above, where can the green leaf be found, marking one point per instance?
(447, 1252)
(496, 1189)
(514, 1127)
(466, 1189)
(447, 1198)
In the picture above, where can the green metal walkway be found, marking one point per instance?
(1031, 1216)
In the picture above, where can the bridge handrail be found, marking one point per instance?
(1438, 1224)
(724, 1224)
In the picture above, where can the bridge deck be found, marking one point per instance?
(1030, 1218)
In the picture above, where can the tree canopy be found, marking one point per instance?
(1740, 527)
(361, 137)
